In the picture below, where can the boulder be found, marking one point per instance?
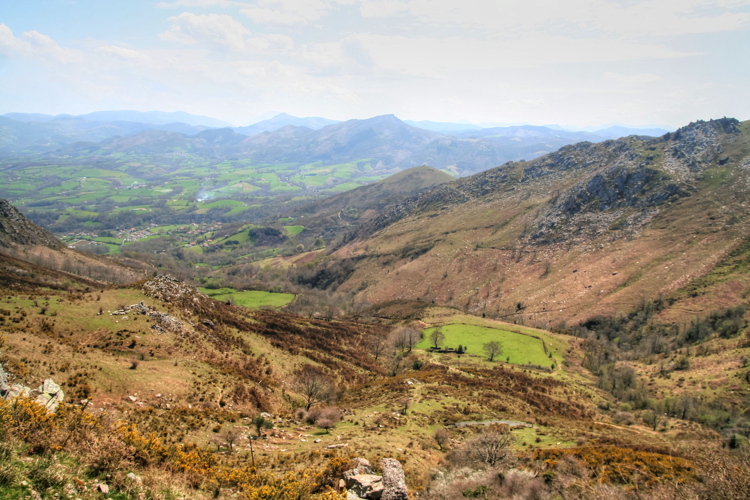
(394, 482)
(359, 466)
(367, 486)
(50, 395)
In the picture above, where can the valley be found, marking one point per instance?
(571, 326)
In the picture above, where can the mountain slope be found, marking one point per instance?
(26, 249)
(382, 193)
(17, 229)
(590, 229)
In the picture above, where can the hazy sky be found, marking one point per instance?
(576, 62)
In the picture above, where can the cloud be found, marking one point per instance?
(632, 18)
(451, 57)
(36, 45)
(632, 79)
(195, 3)
(290, 12)
(221, 30)
(123, 53)
(382, 8)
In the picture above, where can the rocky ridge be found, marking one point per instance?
(628, 179)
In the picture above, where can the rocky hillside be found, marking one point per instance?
(337, 214)
(26, 249)
(15, 228)
(591, 228)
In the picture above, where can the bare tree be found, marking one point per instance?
(492, 445)
(437, 337)
(227, 438)
(377, 345)
(405, 338)
(492, 349)
(313, 386)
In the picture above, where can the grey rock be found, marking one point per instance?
(394, 482)
(50, 395)
(360, 466)
(49, 387)
(17, 390)
(367, 486)
(162, 322)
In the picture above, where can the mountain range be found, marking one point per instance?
(384, 141)
(590, 229)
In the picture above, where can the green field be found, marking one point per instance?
(252, 299)
(294, 230)
(517, 348)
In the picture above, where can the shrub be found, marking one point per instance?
(300, 414)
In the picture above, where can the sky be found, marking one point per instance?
(568, 62)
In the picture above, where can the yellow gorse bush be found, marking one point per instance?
(76, 432)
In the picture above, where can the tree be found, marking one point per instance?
(492, 445)
(229, 437)
(313, 386)
(377, 345)
(261, 423)
(492, 349)
(437, 337)
(651, 417)
(405, 338)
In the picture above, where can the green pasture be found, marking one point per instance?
(237, 210)
(222, 204)
(517, 348)
(294, 230)
(252, 299)
(106, 239)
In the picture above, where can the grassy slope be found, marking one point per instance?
(252, 299)
(247, 361)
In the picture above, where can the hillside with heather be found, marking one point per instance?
(591, 229)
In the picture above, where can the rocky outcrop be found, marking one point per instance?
(394, 482)
(162, 322)
(362, 483)
(168, 289)
(49, 394)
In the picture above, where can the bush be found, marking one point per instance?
(624, 418)
(328, 415)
